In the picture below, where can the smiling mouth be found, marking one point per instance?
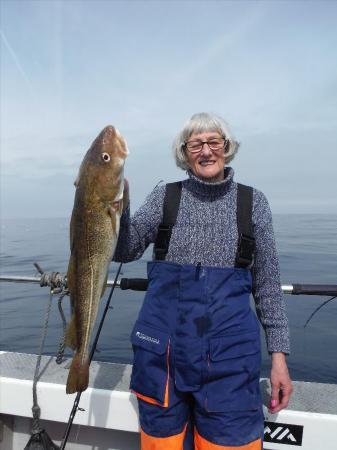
(206, 163)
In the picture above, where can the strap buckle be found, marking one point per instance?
(246, 250)
(162, 242)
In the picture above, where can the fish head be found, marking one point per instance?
(102, 169)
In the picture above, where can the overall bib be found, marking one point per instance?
(197, 354)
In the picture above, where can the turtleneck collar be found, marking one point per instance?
(204, 188)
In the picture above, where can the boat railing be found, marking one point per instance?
(140, 284)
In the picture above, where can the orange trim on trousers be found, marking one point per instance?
(176, 443)
(202, 444)
(162, 443)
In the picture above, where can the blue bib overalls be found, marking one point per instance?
(197, 354)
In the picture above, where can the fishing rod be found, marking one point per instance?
(141, 284)
(93, 348)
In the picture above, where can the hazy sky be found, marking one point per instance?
(69, 68)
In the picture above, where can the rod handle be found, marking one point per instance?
(135, 284)
(314, 289)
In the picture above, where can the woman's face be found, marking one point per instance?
(206, 164)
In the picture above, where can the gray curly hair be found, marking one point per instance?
(200, 123)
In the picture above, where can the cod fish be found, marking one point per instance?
(94, 231)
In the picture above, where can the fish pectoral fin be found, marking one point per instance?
(116, 206)
(71, 334)
(121, 204)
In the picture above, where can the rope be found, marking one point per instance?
(39, 438)
(60, 353)
(58, 285)
(55, 280)
(36, 428)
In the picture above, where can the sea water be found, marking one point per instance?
(307, 247)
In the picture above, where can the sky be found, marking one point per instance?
(69, 68)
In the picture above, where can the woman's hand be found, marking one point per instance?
(281, 387)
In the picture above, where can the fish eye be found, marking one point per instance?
(106, 157)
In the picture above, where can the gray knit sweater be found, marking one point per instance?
(206, 233)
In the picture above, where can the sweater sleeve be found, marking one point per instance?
(137, 232)
(269, 301)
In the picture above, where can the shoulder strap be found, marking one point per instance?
(246, 243)
(170, 213)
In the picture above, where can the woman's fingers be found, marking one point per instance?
(285, 393)
(280, 384)
(275, 398)
(280, 398)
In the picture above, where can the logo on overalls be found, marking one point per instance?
(282, 433)
(147, 338)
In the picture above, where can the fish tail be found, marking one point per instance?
(78, 378)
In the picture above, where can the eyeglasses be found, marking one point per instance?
(214, 144)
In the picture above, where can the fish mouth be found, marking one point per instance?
(124, 152)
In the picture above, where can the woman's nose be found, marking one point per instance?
(205, 149)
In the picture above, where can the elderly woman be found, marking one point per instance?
(196, 341)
